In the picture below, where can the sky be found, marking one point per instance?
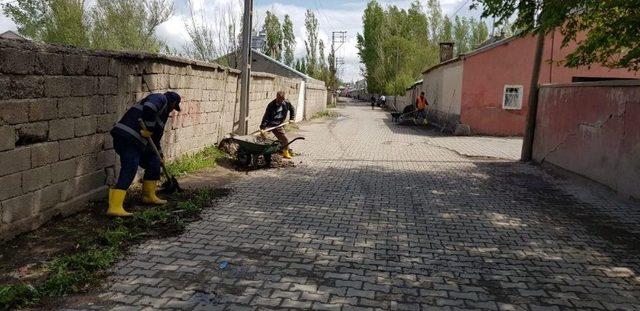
(332, 15)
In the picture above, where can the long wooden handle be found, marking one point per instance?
(270, 129)
(155, 150)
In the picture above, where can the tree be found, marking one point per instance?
(209, 42)
(289, 40)
(311, 44)
(461, 35)
(610, 28)
(435, 20)
(446, 35)
(368, 42)
(322, 65)
(273, 35)
(395, 47)
(128, 24)
(479, 32)
(50, 21)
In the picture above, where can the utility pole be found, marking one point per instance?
(337, 38)
(529, 133)
(245, 74)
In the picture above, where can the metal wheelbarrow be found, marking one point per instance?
(251, 147)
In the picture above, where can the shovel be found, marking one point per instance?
(171, 184)
(270, 129)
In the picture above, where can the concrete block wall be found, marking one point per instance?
(592, 129)
(58, 104)
(315, 98)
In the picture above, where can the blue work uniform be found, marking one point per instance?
(134, 149)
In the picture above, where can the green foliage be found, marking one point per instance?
(605, 32)
(274, 36)
(110, 24)
(191, 163)
(188, 207)
(11, 294)
(50, 21)
(325, 114)
(128, 24)
(398, 44)
(311, 44)
(288, 40)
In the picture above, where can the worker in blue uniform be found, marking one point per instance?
(130, 143)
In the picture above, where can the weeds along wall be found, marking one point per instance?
(58, 104)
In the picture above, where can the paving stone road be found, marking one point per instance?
(386, 217)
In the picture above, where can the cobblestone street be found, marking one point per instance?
(382, 216)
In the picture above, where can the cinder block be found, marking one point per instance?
(85, 126)
(15, 160)
(107, 85)
(98, 66)
(61, 129)
(17, 61)
(75, 64)
(59, 86)
(47, 197)
(18, 87)
(14, 111)
(89, 182)
(112, 103)
(106, 158)
(63, 170)
(93, 105)
(30, 133)
(17, 208)
(36, 178)
(106, 122)
(70, 107)
(49, 64)
(44, 153)
(11, 186)
(82, 86)
(86, 164)
(71, 148)
(7, 138)
(43, 109)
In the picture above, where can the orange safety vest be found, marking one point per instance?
(421, 102)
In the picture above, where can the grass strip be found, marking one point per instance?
(184, 165)
(88, 265)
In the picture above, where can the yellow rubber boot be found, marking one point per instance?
(149, 193)
(116, 201)
(286, 154)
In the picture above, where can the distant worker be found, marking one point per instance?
(275, 115)
(383, 101)
(421, 108)
(373, 101)
(130, 143)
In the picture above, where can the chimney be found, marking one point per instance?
(446, 51)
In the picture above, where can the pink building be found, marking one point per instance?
(488, 88)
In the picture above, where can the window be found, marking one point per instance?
(512, 97)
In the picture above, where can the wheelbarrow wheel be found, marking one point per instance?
(267, 159)
(243, 158)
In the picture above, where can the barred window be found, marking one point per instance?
(512, 98)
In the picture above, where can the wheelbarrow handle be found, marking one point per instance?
(291, 142)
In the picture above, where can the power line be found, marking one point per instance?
(460, 8)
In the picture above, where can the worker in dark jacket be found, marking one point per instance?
(276, 114)
(130, 143)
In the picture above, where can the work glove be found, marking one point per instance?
(146, 134)
(263, 134)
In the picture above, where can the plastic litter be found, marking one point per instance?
(223, 265)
